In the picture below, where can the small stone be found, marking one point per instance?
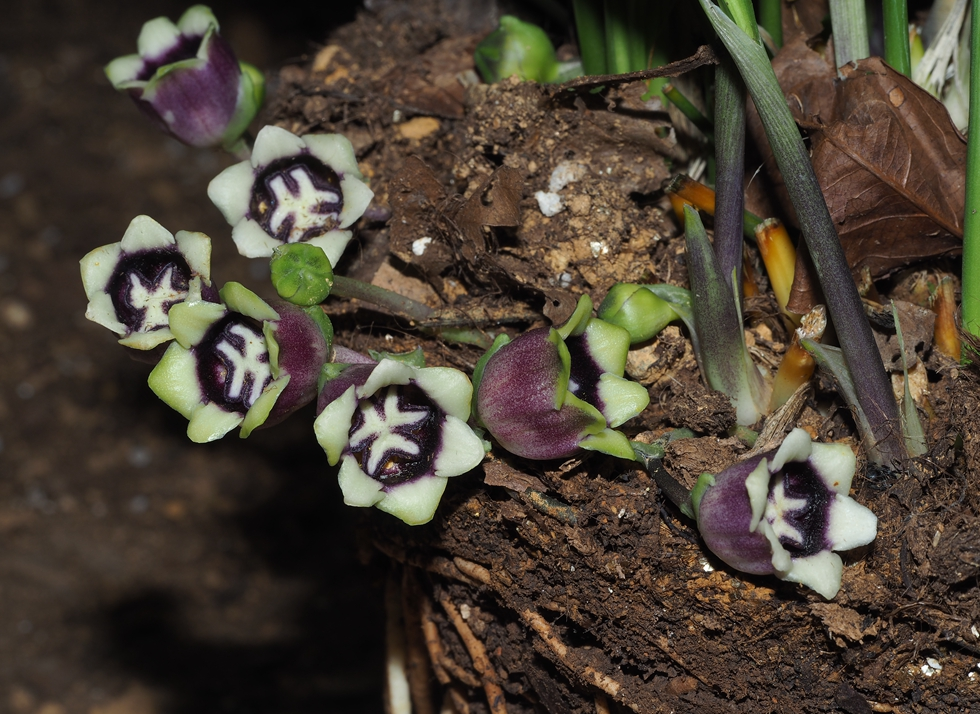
(16, 314)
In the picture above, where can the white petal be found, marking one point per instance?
(821, 572)
(196, 249)
(836, 464)
(147, 340)
(449, 388)
(332, 426)
(335, 150)
(415, 502)
(274, 143)
(387, 372)
(123, 71)
(210, 422)
(102, 312)
(358, 488)
(231, 191)
(757, 485)
(460, 451)
(252, 241)
(357, 197)
(851, 524)
(197, 20)
(144, 233)
(156, 37)
(796, 446)
(97, 268)
(240, 299)
(608, 345)
(333, 244)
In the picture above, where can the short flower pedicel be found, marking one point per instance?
(187, 79)
(552, 392)
(293, 189)
(785, 512)
(244, 362)
(132, 285)
(399, 432)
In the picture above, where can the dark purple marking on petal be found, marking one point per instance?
(186, 47)
(264, 201)
(227, 371)
(800, 481)
(150, 268)
(584, 375)
(398, 466)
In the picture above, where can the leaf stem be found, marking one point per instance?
(971, 220)
(849, 23)
(896, 22)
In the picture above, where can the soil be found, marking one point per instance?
(142, 573)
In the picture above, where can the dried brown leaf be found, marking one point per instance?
(893, 168)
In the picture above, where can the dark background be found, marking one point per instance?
(140, 573)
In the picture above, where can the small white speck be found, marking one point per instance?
(706, 566)
(389, 338)
(419, 245)
(610, 590)
(549, 203)
(972, 676)
(396, 116)
(622, 512)
(564, 280)
(931, 667)
(598, 248)
(608, 170)
(975, 631)
(571, 568)
(565, 173)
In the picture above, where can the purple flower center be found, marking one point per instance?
(145, 285)
(186, 47)
(395, 434)
(233, 363)
(803, 488)
(296, 199)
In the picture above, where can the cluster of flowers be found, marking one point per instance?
(398, 430)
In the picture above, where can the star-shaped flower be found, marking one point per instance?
(399, 433)
(132, 285)
(292, 190)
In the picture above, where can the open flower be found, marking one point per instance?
(187, 79)
(553, 391)
(398, 432)
(244, 362)
(132, 285)
(293, 189)
(785, 512)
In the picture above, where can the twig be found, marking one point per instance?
(442, 664)
(478, 653)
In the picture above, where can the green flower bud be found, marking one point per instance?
(301, 273)
(637, 310)
(519, 48)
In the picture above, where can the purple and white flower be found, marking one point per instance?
(132, 285)
(399, 432)
(243, 362)
(785, 513)
(293, 189)
(186, 78)
(552, 392)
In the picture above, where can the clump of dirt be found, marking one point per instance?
(570, 587)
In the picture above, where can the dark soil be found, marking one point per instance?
(142, 573)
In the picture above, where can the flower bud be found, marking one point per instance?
(516, 47)
(301, 273)
(637, 310)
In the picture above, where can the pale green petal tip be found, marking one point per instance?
(157, 36)
(243, 301)
(260, 410)
(174, 380)
(821, 572)
(210, 422)
(196, 249)
(357, 197)
(579, 320)
(336, 151)
(251, 95)
(147, 340)
(97, 267)
(461, 450)
(144, 233)
(190, 321)
(273, 142)
(622, 399)
(415, 503)
(836, 464)
(333, 243)
(197, 20)
(449, 388)
(797, 446)
(609, 345)
(611, 442)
